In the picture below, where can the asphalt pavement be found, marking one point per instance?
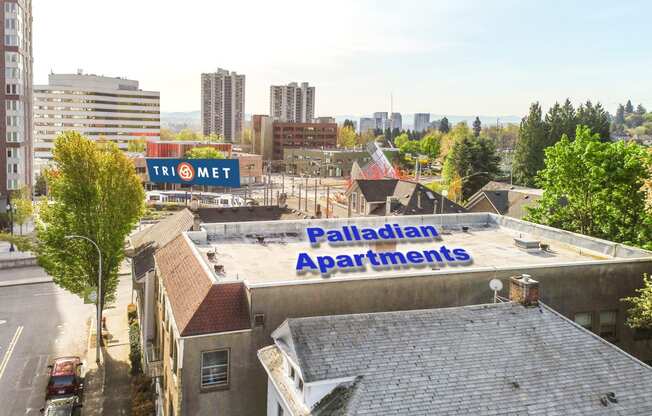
(38, 322)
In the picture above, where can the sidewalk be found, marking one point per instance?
(108, 388)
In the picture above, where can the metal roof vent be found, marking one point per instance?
(526, 244)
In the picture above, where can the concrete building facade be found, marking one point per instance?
(382, 119)
(217, 297)
(223, 104)
(366, 124)
(292, 103)
(396, 121)
(421, 121)
(103, 107)
(16, 148)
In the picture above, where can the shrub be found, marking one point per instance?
(132, 313)
(142, 400)
(135, 351)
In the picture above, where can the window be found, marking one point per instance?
(608, 324)
(214, 368)
(279, 409)
(291, 372)
(584, 319)
(300, 385)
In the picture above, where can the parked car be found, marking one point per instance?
(62, 406)
(65, 377)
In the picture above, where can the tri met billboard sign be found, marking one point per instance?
(211, 172)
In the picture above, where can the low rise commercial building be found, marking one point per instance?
(221, 290)
(323, 162)
(491, 359)
(302, 135)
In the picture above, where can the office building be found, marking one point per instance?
(396, 121)
(16, 148)
(421, 121)
(223, 104)
(327, 119)
(98, 107)
(214, 297)
(520, 351)
(382, 120)
(292, 103)
(302, 135)
(366, 124)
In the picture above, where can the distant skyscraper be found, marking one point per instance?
(292, 103)
(381, 120)
(16, 122)
(367, 124)
(421, 121)
(98, 107)
(223, 104)
(396, 121)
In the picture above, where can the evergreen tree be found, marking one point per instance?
(529, 153)
(348, 123)
(556, 121)
(444, 127)
(620, 115)
(472, 155)
(640, 110)
(629, 108)
(477, 127)
(568, 120)
(595, 118)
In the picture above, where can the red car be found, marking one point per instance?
(65, 377)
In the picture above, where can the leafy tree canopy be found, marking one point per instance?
(346, 136)
(595, 188)
(204, 152)
(97, 194)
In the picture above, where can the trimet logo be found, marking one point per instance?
(186, 171)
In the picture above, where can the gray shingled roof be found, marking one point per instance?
(499, 359)
(163, 231)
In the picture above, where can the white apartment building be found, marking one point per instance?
(109, 108)
(421, 121)
(16, 129)
(223, 104)
(292, 103)
(396, 121)
(366, 124)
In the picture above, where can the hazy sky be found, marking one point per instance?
(445, 57)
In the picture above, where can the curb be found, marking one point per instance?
(26, 282)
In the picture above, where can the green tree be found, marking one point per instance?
(167, 134)
(568, 120)
(595, 118)
(346, 137)
(40, 184)
(640, 314)
(595, 188)
(555, 119)
(97, 194)
(431, 144)
(477, 127)
(444, 126)
(187, 135)
(529, 153)
(629, 108)
(136, 145)
(23, 207)
(204, 152)
(471, 156)
(620, 115)
(640, 110)
(348, 123)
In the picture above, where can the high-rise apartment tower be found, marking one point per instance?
(223, 104)
(292, 103)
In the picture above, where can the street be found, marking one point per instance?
(38, 322)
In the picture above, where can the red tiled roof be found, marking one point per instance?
(199, 306)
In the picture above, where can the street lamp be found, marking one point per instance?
(99, 294)
(10, 209)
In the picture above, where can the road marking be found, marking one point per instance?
(2, 321)
(10, 350)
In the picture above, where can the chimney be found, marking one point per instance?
(524, 290)
(196, 223)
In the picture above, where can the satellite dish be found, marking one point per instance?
(496, 285)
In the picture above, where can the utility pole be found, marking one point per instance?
(315, 196)
(328, 193)
(307, 194)
(299, 206)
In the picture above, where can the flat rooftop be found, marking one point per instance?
(264, 253)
